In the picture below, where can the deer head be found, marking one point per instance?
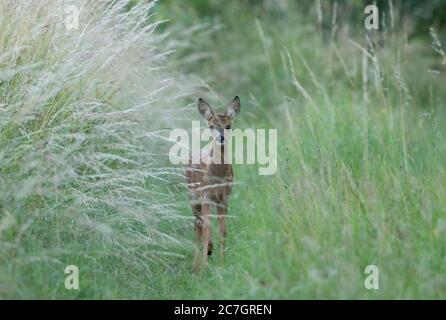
(219, 123)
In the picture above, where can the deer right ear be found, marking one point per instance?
(234, 108)
(205, 109)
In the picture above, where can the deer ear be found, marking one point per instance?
(205, 109)
(234, 108)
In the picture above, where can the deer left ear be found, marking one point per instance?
(233, 108)
(205, 109)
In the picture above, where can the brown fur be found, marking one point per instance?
(211, 184)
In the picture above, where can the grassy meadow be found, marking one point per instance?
(85, 178)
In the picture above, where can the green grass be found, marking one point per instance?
(310, 231)
(360, 180)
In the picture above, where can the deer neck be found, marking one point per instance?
(221, 166)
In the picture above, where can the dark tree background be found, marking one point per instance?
(421, 14)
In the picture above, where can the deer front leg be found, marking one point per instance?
(196, 209)
(222, 211)
(206, 231)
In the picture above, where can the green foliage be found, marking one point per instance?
(360, 173)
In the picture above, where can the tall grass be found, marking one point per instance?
(361, 174)
(80, 172)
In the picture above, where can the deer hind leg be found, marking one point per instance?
(222, 211)
(196, 209)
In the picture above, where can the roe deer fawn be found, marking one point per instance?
(210, 182)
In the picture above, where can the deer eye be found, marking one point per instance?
(228, 127)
